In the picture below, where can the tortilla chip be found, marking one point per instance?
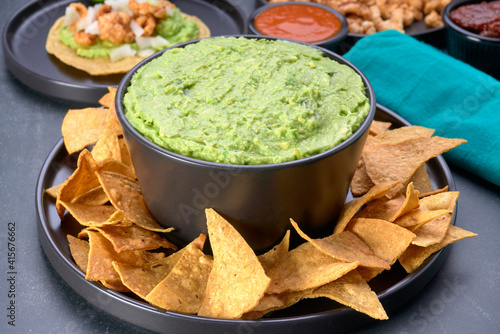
(108, 99)
(141, 280)
(82, 181)
(100, 65)
(275, 302)
(382, 208)
(237, 281)
(101, 256)
(95, 215)
(183, 290)
(387, 241)
(107, 146)
(133, 237)
(404, 133)
(421, 181)
(415, 219)
(125, 195)
(361, 182)
(306, 267)
(414, 256)
(397, 162)
(52, 191)
(434, 192)
(378, 127)
(83, 127)
(346, 247)
(434, 231)
(111, 165)
(79, 251)
(353, 291)
(350, 209)
(269, 259)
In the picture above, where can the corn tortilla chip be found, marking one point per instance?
(378, 127)
(141, 280)
(350, 209)
(95, 215)
(79, 251)
(269, 259)
(83, 127)
(108, 99)
(390, 162)
(421, 181)
(79, 183)
(353, 291)
(107, 146)
(346, 247)
(361, 182)
(306, 267)
(183, 290)
(102, 254)
(133, 237)
(237, 281)
(415, 219)
(387, 241)
(125, 195)
(414, 256)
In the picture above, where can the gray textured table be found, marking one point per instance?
(462, 298)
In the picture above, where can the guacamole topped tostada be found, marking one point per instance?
(113, 36)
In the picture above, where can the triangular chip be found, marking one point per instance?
(99, 215)
(125, 195)
(415, 219)
(389, 162)
(353, 291)
(421, 180)
(237, 281)
(387, 241)
(306, 267)
(414, 256)
(346, 247)
(183, 290)
(108, 99)
(141, 280)
(107, 146)
(83, 127)
(82, 181)
(133, 237)
(79, 250)
(378, 127)
(269, 259)
(101, 256)
(350, 209)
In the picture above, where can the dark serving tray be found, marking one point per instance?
(393, 287)
(24, 37)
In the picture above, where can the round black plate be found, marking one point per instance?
(393, 287)
(25, 34)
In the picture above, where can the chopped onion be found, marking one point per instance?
(119, 6)
(121, 52)
(156, 42)
(87, 20)
(136, 28)
(170, 11)
(145, 52)
(70, 16)
(93, 29)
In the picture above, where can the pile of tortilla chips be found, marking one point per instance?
(396, 216)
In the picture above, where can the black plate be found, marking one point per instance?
(25, 34)
(393, 287)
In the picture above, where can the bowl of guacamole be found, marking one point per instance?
(260, 129)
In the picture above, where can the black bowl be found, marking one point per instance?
(258, 200)
(479, 51)
(330, 43)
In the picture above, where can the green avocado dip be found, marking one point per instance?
(245, 101)
(175, 29)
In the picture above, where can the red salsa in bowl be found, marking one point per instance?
(304, 22)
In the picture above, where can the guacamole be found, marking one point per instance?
(245, 101)
(175, 29)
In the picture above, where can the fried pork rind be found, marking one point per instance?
(366, 17)
(100, 65)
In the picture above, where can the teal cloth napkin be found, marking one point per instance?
(430, 88)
